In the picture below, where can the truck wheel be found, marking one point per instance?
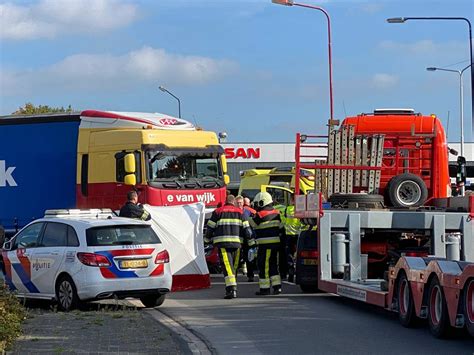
(406, 308)
(469, 306)
(151, 301)
(66, 294)
(407, 190)
(356, 200)
(438, 319)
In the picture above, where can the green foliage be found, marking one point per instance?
(12, 314)
(30, 109)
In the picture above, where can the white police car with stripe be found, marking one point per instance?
(79, 255)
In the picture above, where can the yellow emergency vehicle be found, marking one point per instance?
(279, 182)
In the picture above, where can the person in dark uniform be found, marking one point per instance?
(227, 230)
(132, 209)
(266, 224)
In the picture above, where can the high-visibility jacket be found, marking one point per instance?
(227, 227)
(267, 227)
(292, 225)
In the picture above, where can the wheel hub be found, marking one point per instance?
(409, 193)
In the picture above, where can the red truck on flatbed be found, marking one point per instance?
(414, 252)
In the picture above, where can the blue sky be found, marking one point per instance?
(248, 67)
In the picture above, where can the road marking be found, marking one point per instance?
(196, 345)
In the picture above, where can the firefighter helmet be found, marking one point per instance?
(262, 199)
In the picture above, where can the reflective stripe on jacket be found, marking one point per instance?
(267, 226)
(227, 227)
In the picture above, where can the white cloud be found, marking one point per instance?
(372, 7)
(50, 18)
(92, 72)
(423, 47)
(384, 81)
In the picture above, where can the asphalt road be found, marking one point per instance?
(296, 323)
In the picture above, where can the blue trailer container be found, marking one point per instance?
(37, 166)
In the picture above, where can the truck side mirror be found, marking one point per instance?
(226, 179)
(129, 161)
(130, 179)
(224, 164)
(461, 171)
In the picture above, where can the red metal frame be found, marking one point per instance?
(407, 153)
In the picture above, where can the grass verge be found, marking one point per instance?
(12, 313)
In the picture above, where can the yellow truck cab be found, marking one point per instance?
(275, 181)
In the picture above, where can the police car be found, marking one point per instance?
(78, 255)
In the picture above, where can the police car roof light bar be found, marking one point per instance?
(93, 212)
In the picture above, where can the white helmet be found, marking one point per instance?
(262, 199)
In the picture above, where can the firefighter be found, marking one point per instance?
(292, 227)
(132, 209)
(227, 229)
(267, 226)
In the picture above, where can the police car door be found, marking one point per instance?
(48, 257)
(17, 259)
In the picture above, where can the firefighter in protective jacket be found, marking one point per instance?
(227, 229)
(267, 226)
(132, 209)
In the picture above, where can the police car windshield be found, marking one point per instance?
(121, 235)
(183, 165)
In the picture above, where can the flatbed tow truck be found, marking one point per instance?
(428, 275)
(439, 287)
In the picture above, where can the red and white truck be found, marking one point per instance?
(417, 260)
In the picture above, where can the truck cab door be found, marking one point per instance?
(127, 176)
(280, 195)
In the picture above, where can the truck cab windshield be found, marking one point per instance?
(184, 166)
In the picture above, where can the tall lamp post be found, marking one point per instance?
(461, 98)
(404, 19)
(292, 3)
(162, 88)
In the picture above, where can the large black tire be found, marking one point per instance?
(151, 301)
(406, 308)
(357, 200)
(407, 190)
(438, 319)
(66, 294)
(469, 306)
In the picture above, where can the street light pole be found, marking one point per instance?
(404, 19)
(292, 3)
(461, 97)
(162, 88)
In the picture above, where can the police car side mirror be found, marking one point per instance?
(7, 245)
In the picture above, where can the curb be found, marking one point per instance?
(197, 343)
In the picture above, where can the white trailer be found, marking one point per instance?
(438, 287)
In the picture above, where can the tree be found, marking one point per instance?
(30, 109)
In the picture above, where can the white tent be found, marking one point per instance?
(180, 229)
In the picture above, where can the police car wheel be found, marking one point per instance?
(66, 294)
(151, 301)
